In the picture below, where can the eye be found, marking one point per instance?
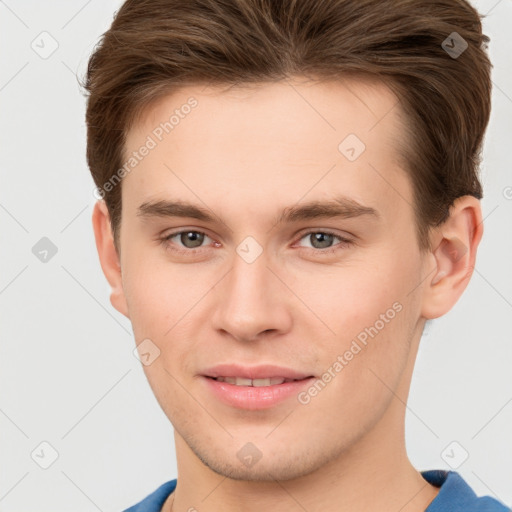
(189, 240)
(321, 241)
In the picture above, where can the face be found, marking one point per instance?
(272, 226)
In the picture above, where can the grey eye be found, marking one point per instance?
(321, 240)
(191, 239)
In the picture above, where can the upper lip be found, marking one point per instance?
(254, 372)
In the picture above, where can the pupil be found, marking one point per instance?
(192, 236)
(324, 239)
(320, 240)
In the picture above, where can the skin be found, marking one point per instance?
(246, 154)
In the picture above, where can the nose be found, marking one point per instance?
(251, 302)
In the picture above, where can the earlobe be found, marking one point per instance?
(109, 258)
(456, 243)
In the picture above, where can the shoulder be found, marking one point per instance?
(455, 495)
(154, 502)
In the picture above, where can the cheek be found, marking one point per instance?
(361, 365)
(165, 301)
(370, 314)
(160, 295)
(351, 297)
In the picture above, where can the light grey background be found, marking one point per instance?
(68, 375)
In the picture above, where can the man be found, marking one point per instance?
(289, 191)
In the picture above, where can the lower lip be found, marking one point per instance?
(256, 398)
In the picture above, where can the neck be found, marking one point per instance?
(363, 478)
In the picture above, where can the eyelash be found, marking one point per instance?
(344, 242)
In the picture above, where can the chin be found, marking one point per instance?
(280, 466)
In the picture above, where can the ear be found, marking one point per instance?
(109, 259)
(453, 259)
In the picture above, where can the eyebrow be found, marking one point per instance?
(338, 207)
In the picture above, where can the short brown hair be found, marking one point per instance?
(156, 46)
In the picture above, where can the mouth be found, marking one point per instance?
(257, 383)
(255, 388)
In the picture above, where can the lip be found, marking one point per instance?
(250, 397)
(254, 372)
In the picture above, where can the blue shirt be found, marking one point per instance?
(455, 495)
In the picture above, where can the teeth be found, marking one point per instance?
(242, 381)
(268, 382)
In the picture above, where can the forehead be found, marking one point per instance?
(330, 109)
(293, 136)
